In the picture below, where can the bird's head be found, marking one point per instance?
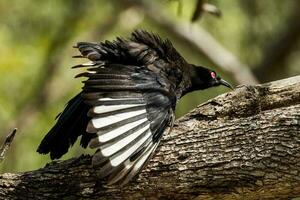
(203, 78)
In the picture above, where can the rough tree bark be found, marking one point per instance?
(244, 144)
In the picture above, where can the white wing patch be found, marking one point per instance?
(100, 122)
(131, 168)
(118, 159)
(124, 139)
(110, 108)
(106, 136)
(139, 163)
(119, 99)
(112, 148)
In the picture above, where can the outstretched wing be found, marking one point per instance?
(132, 98)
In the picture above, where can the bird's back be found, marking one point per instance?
(126, 104)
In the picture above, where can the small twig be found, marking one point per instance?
(7, 143)
(198, 10)
(212, 9)
(202, 7)
(203, 42)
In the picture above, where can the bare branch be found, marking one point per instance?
(201, 7)
(212, 9)
(198, 10)
(243, 145)
(6, 144)
(203, 42)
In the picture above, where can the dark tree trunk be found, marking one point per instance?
(241, 145)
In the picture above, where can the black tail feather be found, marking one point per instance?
(70, 124)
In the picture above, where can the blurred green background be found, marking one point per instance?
(36, 47)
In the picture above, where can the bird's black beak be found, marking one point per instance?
(225, 83)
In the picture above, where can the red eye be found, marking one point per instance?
(213, 75)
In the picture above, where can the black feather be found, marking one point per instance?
(144, 71)
(70, 124)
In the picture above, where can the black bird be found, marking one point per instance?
(127, 102)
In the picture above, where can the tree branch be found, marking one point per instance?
(203, 42)
(243, 145)
(6, 144)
